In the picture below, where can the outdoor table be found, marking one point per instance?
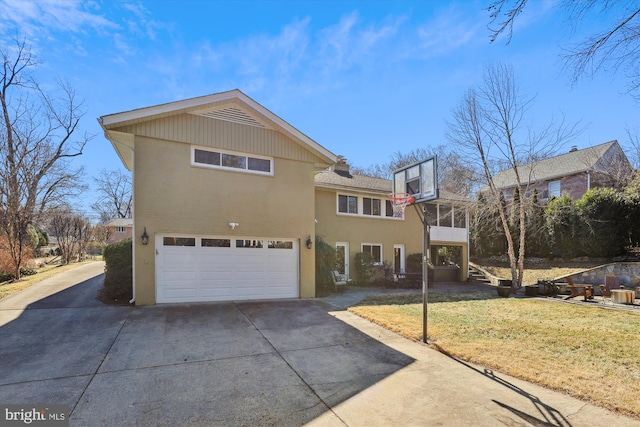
(622, 296)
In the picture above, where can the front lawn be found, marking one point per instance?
(588, 352)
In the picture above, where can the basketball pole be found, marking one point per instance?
(425, 268)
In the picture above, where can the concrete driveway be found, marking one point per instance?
(280, 363)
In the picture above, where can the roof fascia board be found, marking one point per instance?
(124, 144)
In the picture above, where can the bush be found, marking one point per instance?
(118, 279)
(325, 264)
(363, 267)
(414, 263)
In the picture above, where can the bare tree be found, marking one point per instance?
(489, 130)
(102, 234)
(36, 143)
(454, 175)
(73, 232)
(115, 199)
(613, 49)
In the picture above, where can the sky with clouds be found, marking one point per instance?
(362, 78)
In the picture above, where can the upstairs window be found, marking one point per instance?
(231, 161)
(371, 206)
(554, 189)
(348, 204)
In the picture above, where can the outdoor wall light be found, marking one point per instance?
(233, 225)
(309, 242)
(145, 237)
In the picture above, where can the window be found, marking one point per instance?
(375, 250)
(431, 214)
(389, 209)
(179, 241)
(216, 243)
(348, 204)
(276, 244)
(371, 206)
(445, 216)
(232, 161)
(120, 229)
(256, 244)
(459, 217)
(554, 189)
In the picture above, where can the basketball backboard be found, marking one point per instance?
(418, 179)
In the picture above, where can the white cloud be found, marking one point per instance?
(448, 31)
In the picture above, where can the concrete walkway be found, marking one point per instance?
(270, 363)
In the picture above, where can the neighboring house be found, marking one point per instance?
(119, 229)
(225, 191)
(353, 212)
(572, 173)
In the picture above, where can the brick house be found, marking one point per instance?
(119, 229)
(572, 173)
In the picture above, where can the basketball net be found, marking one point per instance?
(399, 201)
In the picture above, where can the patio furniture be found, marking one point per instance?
(339, 280)
(622, 296)
(585, 290)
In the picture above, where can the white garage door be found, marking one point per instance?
(190, 269)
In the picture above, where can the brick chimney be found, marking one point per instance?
(341, 167)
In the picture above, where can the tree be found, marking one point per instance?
(36, 143)
(115, 198)
(453, 174)
(73, 232)
(613, 49)
(488, 130)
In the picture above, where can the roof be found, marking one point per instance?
(570, 163)
(232, 106)
(120, 222)
(367, 184)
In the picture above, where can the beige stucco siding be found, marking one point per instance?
(222, 134)
(359, 229)
(171, 196)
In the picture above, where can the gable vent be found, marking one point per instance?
(231, 114)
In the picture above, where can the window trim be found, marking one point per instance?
(549, 195)
(363, 244)
(247, 156)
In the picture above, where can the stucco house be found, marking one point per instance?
(229, 198)
(119, 229)
(571, 173)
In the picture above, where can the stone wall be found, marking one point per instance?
(627, 272)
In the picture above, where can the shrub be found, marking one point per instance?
(363, 267)
(414, 263)
(603, 213)
(118, 279)
(325, 264)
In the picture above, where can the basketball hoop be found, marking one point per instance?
(399, 201)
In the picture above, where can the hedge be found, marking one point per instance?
(118, 280)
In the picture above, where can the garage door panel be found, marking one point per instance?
(212, 273)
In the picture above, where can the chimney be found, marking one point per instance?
(573, 148)
(341, 167)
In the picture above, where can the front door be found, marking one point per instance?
(342, 258)
(398, 258)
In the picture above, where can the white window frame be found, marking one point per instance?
(381, 251)
(380, 209)
(121, 229)
(385, 213)
(553, 193)
(232, 153)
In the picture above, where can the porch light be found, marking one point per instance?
(145, 237)
(309, 242)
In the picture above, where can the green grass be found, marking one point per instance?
(589, 352)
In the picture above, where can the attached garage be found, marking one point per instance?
(219, 268)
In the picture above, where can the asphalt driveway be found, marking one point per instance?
(281, 363)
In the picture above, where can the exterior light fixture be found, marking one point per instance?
(309, 242)
(145, 237)
(233, 225)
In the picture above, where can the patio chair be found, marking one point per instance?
(339, 280)
(585, 290)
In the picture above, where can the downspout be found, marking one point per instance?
(135, 234)
(588, 180)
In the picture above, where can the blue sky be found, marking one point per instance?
(362, 78)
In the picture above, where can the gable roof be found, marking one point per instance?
(233, 106)
(342, 180)
(120, 222)
(571, 163)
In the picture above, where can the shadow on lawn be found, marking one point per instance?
(549, 416)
